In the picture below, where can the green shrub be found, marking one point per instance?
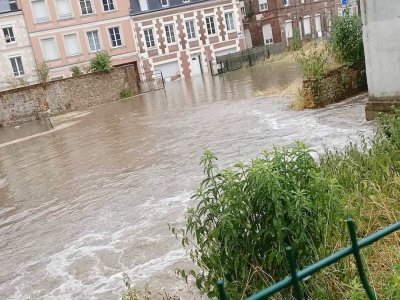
(296, 43)
(313, 62)
(42, 72)
(126, 93)
(246, 216)
(347, 40)
(101, 62)
(76, 71)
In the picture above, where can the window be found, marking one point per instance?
(40, 11)
(190, 29)
(210, 24)
(143, 5)
(170, 33)
(164, 3)
(186, 1)
(72, 45)
(9, 34)
(263, 4)
(285, 2)
(115, 37)
(49, 47)
(63, 9)
(149, 37)
(17, 67)
(242, 8)
(229, 21)
(307, 25)
(94, 41)
(86, 7)
(108, 5)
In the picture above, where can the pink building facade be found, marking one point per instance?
(67, 33)
(182, 38)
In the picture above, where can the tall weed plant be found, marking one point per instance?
(347, 39)
(247, 214)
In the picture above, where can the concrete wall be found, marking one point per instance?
(21, 47)
(27, 103)
(382, 46)
(381, 26)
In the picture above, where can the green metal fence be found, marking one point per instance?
(296, 276)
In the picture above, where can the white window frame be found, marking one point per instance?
(211, 17)
(91, 5)
(154, 38)
(233, 21)
(65, 44)
(166, 3)
(100, 41)
(287, 3)
(35, 20)
(55, 42)
(194, 32)
(263, 6)
(66, 18)
(173, 31)
(13, 32)
(19, 71)
(108, 3)
(120, 35)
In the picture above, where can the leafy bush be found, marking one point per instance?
(42, 72)
(126, 93)
(313, 62)
(295, 43)
(247, 214)
(347, 40)
(76, 71)
(101, 62)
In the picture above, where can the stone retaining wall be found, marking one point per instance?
(335, 86)
(28, 103)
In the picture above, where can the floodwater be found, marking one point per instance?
(90, 200)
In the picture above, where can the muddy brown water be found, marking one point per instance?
(90, 200)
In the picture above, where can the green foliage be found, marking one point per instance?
(76, 71)
(248, 214)
(101, 62)
(144, 294)
(249, 12)
(126, 93)
(347, 40)
(42, 72)
(295, 43)
(393, 288)
(313, 62)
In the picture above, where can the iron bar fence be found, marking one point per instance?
(151, 81)
(297, 276)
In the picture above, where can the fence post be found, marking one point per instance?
(357, 256)
(221, 290)
(293, 272)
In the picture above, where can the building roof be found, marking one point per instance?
(8, 6)
(155, 5)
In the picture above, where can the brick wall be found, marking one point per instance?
(335, 86)
(27, 103)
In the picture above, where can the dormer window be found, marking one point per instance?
(164, 3)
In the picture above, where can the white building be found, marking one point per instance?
(17, 62)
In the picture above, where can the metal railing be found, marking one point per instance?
(151, 81)
(297, 276)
